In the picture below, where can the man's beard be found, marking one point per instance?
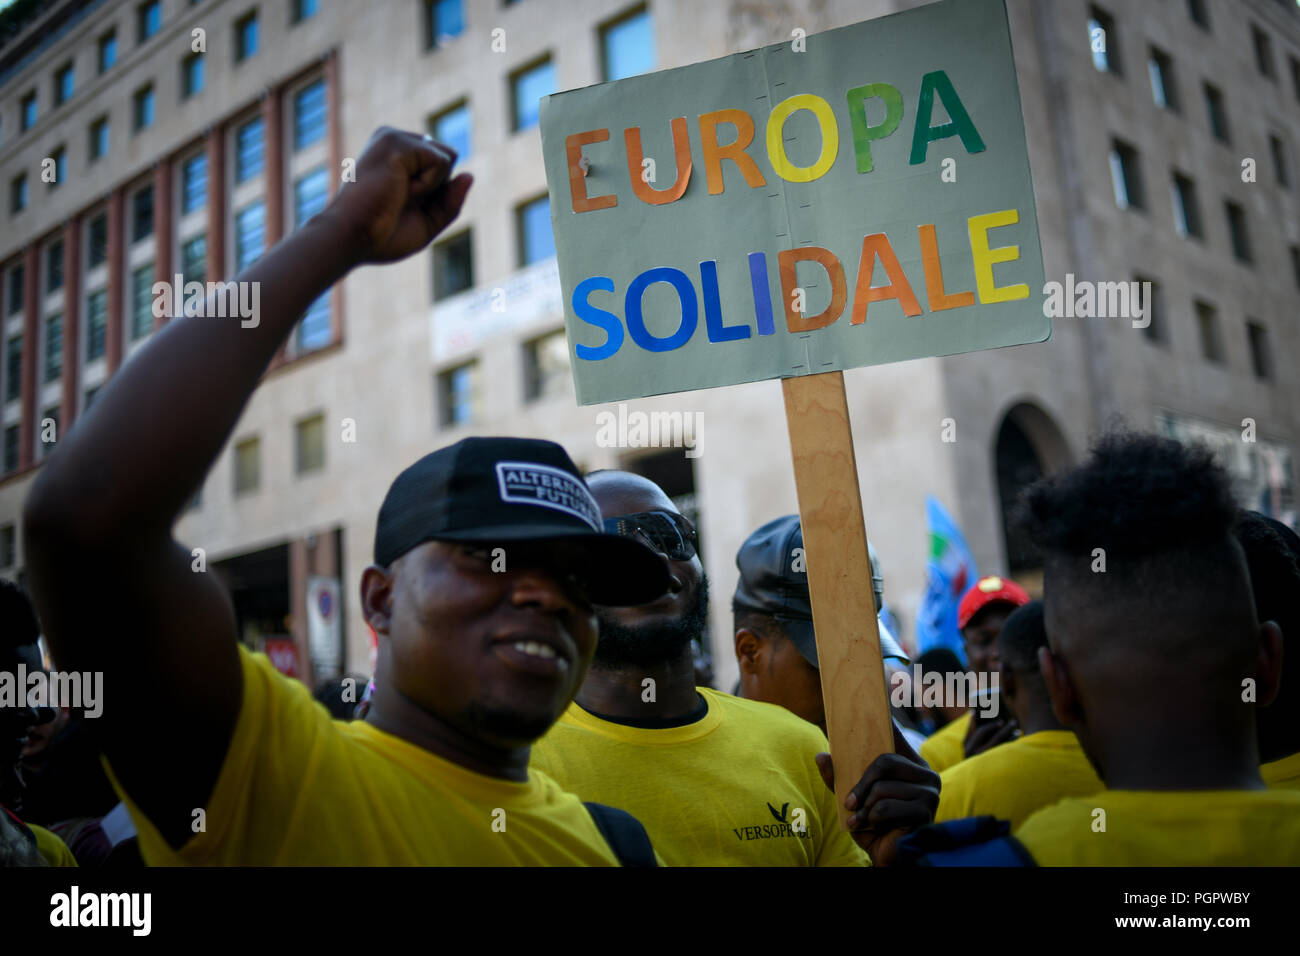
(649, 644)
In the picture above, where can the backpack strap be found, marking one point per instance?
(624, 834)
(973, 841)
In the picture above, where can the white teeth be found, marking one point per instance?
(535, 649)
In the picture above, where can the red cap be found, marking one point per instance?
(987, 591)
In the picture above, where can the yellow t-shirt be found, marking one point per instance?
(300, 788)
(54, 850)
(1282, 774)
(946, 747)
(1168, 828)
(726, 790)
(1014, 779)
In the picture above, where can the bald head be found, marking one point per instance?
(621, 493)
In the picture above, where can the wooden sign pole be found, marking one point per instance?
(858, 718)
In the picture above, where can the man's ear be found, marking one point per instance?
(749, 650)
(377, 597)
(1056, 674)
(1268, 666)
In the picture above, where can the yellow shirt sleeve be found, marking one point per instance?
(54, 850)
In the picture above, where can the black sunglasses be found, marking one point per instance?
(668, 533)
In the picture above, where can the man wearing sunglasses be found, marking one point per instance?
(716, 780)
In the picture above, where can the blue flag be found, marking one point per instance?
(950, 570)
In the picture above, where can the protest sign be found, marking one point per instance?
(850, 198)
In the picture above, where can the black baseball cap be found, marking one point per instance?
(770, 584)
(514, 489)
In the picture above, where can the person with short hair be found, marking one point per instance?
(775, 641)
(1273, 558)
(21, 843)
(984, 608)
(735, 782)
(1158, 664)
(488, 556)
(1035, 770)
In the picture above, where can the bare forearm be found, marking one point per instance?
(137, 457)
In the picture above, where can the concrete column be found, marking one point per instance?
(31, 349)
(71, 322)
(272, 125)
(162, 227)
(117, 243)
(216, 146)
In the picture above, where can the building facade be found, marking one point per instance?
(144, 141)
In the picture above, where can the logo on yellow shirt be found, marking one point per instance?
(784, 827)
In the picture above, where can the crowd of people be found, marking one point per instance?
(535, 699)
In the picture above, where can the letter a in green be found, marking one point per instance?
(924, 134)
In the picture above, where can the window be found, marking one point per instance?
(107, 51)
(1187, 211)
(53, 348)
(142, 108)
(191, 75)
(245, 37)
(1163, 90)
(248, 466)
(96, 326)
(97, 241)
(1154, 308)
(27, 112)
(18, 193)
(1200, 16)
(1217, 113)
(7, 551)
(1295, 265)
(13, 368)
(60, 157)
(1103, 42)
(194, 183)
(1280, 170)
(529, 86)
(453, 126)
(48, 432)
(54, 266)
(11, 448)
(64, 81)
(250, 235)
(141, 302)
(142, 214)
(148, 19)
(546, 366)
(309, 115)
(309, 197)
(16, 278)
(1238, 234)
(1295, 76)
(453, 266)
(98, 138)
(248, 150)
(536, 240)
(444, 20)
(309, 444)
(1261, 357)
(302, 10)
(457, 395)
(194, 259)
(1207, 322)
(1263, 52)
(628, 46)
(1126, 176)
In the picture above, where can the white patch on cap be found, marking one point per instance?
(528, 483)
